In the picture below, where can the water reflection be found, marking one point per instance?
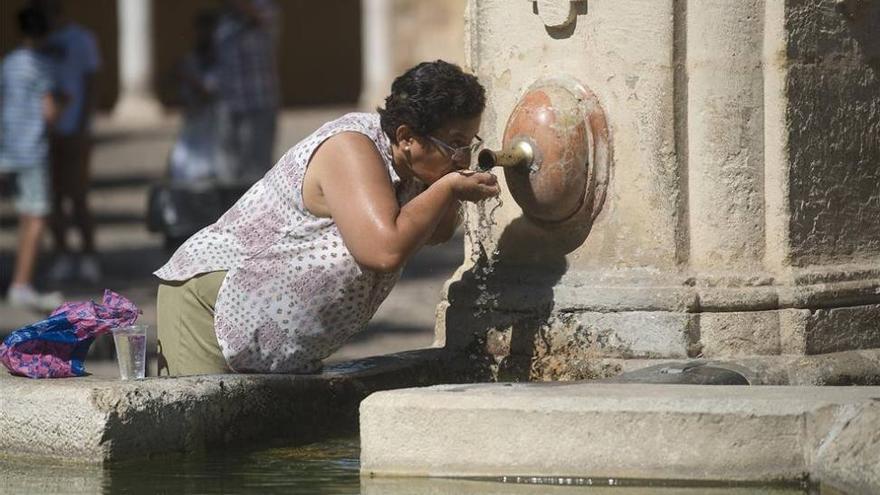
(328, 468)
(401, 486)
(48, 477)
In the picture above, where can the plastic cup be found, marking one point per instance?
(131, 351)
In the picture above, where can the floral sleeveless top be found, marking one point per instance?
(293, 293)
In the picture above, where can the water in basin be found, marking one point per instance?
(330, 468)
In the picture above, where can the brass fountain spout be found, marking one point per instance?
(519, 153)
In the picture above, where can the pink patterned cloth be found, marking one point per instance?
(293, 293)
(92, 319)
(56, 347)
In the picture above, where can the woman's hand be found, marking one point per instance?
(468, 185)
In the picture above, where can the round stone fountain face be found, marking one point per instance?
(566, 128)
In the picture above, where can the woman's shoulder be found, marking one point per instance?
(357, 126)
(351, 128)
(350, 143)
(356, 121)
(354, 126)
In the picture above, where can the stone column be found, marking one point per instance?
(376, 52)
(726, 178)
(137, 103)
(725, 135)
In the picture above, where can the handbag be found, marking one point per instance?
(180, 210)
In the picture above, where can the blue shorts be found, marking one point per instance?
(32, 191)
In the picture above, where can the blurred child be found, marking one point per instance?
(28, 108)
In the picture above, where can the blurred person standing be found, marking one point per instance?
(27, 107)
(195, 153)
(249, 96)
(77, 59)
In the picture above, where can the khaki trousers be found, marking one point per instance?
(187, 342)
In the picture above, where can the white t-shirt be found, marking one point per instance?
(76, 54)
(25, 79)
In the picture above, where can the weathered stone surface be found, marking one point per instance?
(848, 449)
(834, 369)
(743, 185)
(833, 79)
(543, 345)
(616, 430)
(804, 331)
(837, 329)
(573, 346)
(739, 334)
(724, 132)
(838, 368)
(98, 420)
(566, 347)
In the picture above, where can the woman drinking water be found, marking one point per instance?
(302, 261)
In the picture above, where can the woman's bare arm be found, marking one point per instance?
(355, 188)
(447, 225)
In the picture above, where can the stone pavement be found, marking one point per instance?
(125, 162)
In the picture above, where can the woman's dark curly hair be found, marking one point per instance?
(428, 96)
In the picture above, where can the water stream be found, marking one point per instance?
(483, 254)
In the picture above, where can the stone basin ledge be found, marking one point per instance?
(95, 420)
(603, 430)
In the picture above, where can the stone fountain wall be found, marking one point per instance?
(742, 211)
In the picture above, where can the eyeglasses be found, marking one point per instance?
(458, 154)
